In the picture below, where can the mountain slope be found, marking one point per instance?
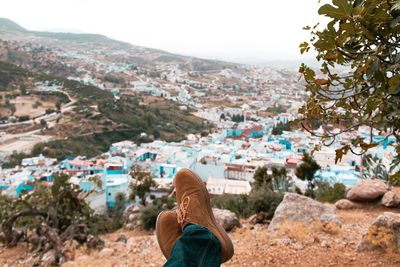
(116, 50)
(10, 26)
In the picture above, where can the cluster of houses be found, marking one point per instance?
(226, 160)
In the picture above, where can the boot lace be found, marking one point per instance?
(182, 211)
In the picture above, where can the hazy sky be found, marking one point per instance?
(223, 29)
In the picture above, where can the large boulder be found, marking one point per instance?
(345, 204)
(390, 199)
(367, 190)
(298, 208)
(383, 234)
(227, 219)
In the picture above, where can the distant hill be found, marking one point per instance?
(78, 37)
(137, 55)
(10, 26)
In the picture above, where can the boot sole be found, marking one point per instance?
(158, 235)
(227, 241)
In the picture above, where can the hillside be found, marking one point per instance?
(93, 120)
(297, 247)
(10, 26)
(10, 30)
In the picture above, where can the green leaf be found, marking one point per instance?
(304, 47)
(341, 11)
(394, 84)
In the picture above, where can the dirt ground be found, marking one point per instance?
(25, 105)
(254, 246)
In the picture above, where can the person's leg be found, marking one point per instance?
(197, 246)
(190, 234)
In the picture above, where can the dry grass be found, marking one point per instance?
(300, 232)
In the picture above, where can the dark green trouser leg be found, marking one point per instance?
(197, 247)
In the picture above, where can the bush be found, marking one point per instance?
(260, 199)
(149, 214)
(235, 203)
(24, 118)
(264, 199)
(327, 193)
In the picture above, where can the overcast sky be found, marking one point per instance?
(222, 29)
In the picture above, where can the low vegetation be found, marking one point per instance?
(47, 217)
(327, 193)
(149, 214)
(260, 199)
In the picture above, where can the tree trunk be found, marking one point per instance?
(11, 236)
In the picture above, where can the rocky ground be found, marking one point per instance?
(293, 245)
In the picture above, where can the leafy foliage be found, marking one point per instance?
(54, 214)
(276, 181)
(9, 74)
(260, 199)
(143, 182)
(149, 214)
(280, 127)
(306, 172)
(235, 203)
(116, 212)
(263, 199)
(363, 36)
(374, 168)
(326, 193)
(237, 118)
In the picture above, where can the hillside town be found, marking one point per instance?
(112, 153)
(243, 103)
(226, 160)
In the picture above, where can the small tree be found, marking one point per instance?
(46, 217)
(276, 181)
(43, 123)
(58, 105)
(143, 182)
(261, 176)
(306, 172)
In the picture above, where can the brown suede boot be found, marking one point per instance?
(168, 230)
(194, 207)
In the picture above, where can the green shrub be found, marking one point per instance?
(235, 203)
(264, 199)
(327, 193)
(149, 214)
(260, 199)
(24, 118)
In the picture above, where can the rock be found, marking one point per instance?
(390, 199)
(32, 261)
(133, 217)
(131, 244)
(106, 252)
(122, 238)
(119, 247)
(48, 258)
(325, 244)
(383, 234)
(298, 208)
(261, 217)
(345, 204)
(297, 246)
(129, 226)
(82, 258)
(70, 247)
(227, 219)
(94, 242)
(367, 190)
